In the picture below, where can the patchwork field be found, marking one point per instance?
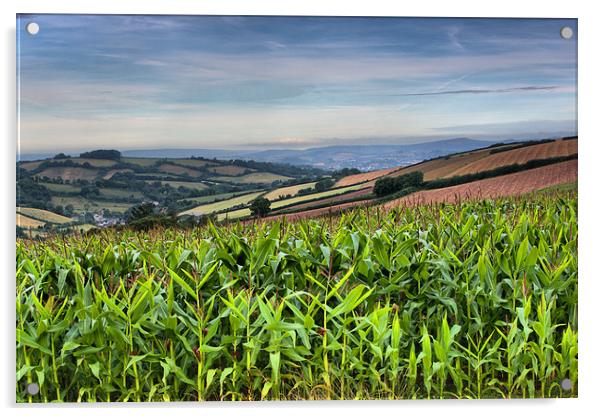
(179, 170)
(217, 197)
(317, 196)
(59, 187)
(97, 163)
(229, 170)
(288, 190)
(281, 203)
(81, 205)
(222, 205)
(112, 172)
(194, 163)
(191, 185)
(31, 165)
(68, 173)
(251, 178)
(329, 200)
(119, 193)
(140, 161)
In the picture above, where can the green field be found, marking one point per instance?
(311, 197)
(81, 204)
(179, 170)
(119, 193)
(288, 190)
(68, 173)
(256, 177)
(229, 170)
(194, 163)
(234, 215)
(473, 300)
(222, 205)
(191, 185)
(31, 165)
(140, 161)
(97, 163)
(217, 197)
(245, 212)
(63, 188)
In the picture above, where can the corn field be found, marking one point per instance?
(472, 300)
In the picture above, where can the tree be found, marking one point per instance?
(324, 184)
(61, 156)
(389, 184)
(138, 212)
(260, 207)
(68, 210)
(102, 154)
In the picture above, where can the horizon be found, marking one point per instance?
(244, 152)
(282, 82)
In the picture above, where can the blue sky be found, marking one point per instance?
(133, 82)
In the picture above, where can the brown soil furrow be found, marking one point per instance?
(519, 156)
(506, 185)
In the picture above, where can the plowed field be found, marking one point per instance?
(519, 156)
(512, 184)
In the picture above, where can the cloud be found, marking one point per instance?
(482, 91)
(137, 81)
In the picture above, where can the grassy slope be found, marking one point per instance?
(43, 215)
(221, 205)
(256, 177)
(179, 170)
(26, 222)
(217, 197)
(245, 212)
(192, 185)
(70, 173)
(59, 187)
(288, 190)
(229, 170)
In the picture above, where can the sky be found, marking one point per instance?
(232, 82)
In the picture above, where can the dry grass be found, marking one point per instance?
(26, 222)
(43, 215)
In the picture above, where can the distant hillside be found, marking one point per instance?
(364, 157)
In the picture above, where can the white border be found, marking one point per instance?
(590, 33)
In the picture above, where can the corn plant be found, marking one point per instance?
(468, 300)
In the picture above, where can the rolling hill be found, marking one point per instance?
(200, 187)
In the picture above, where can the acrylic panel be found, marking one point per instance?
(295, 208)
